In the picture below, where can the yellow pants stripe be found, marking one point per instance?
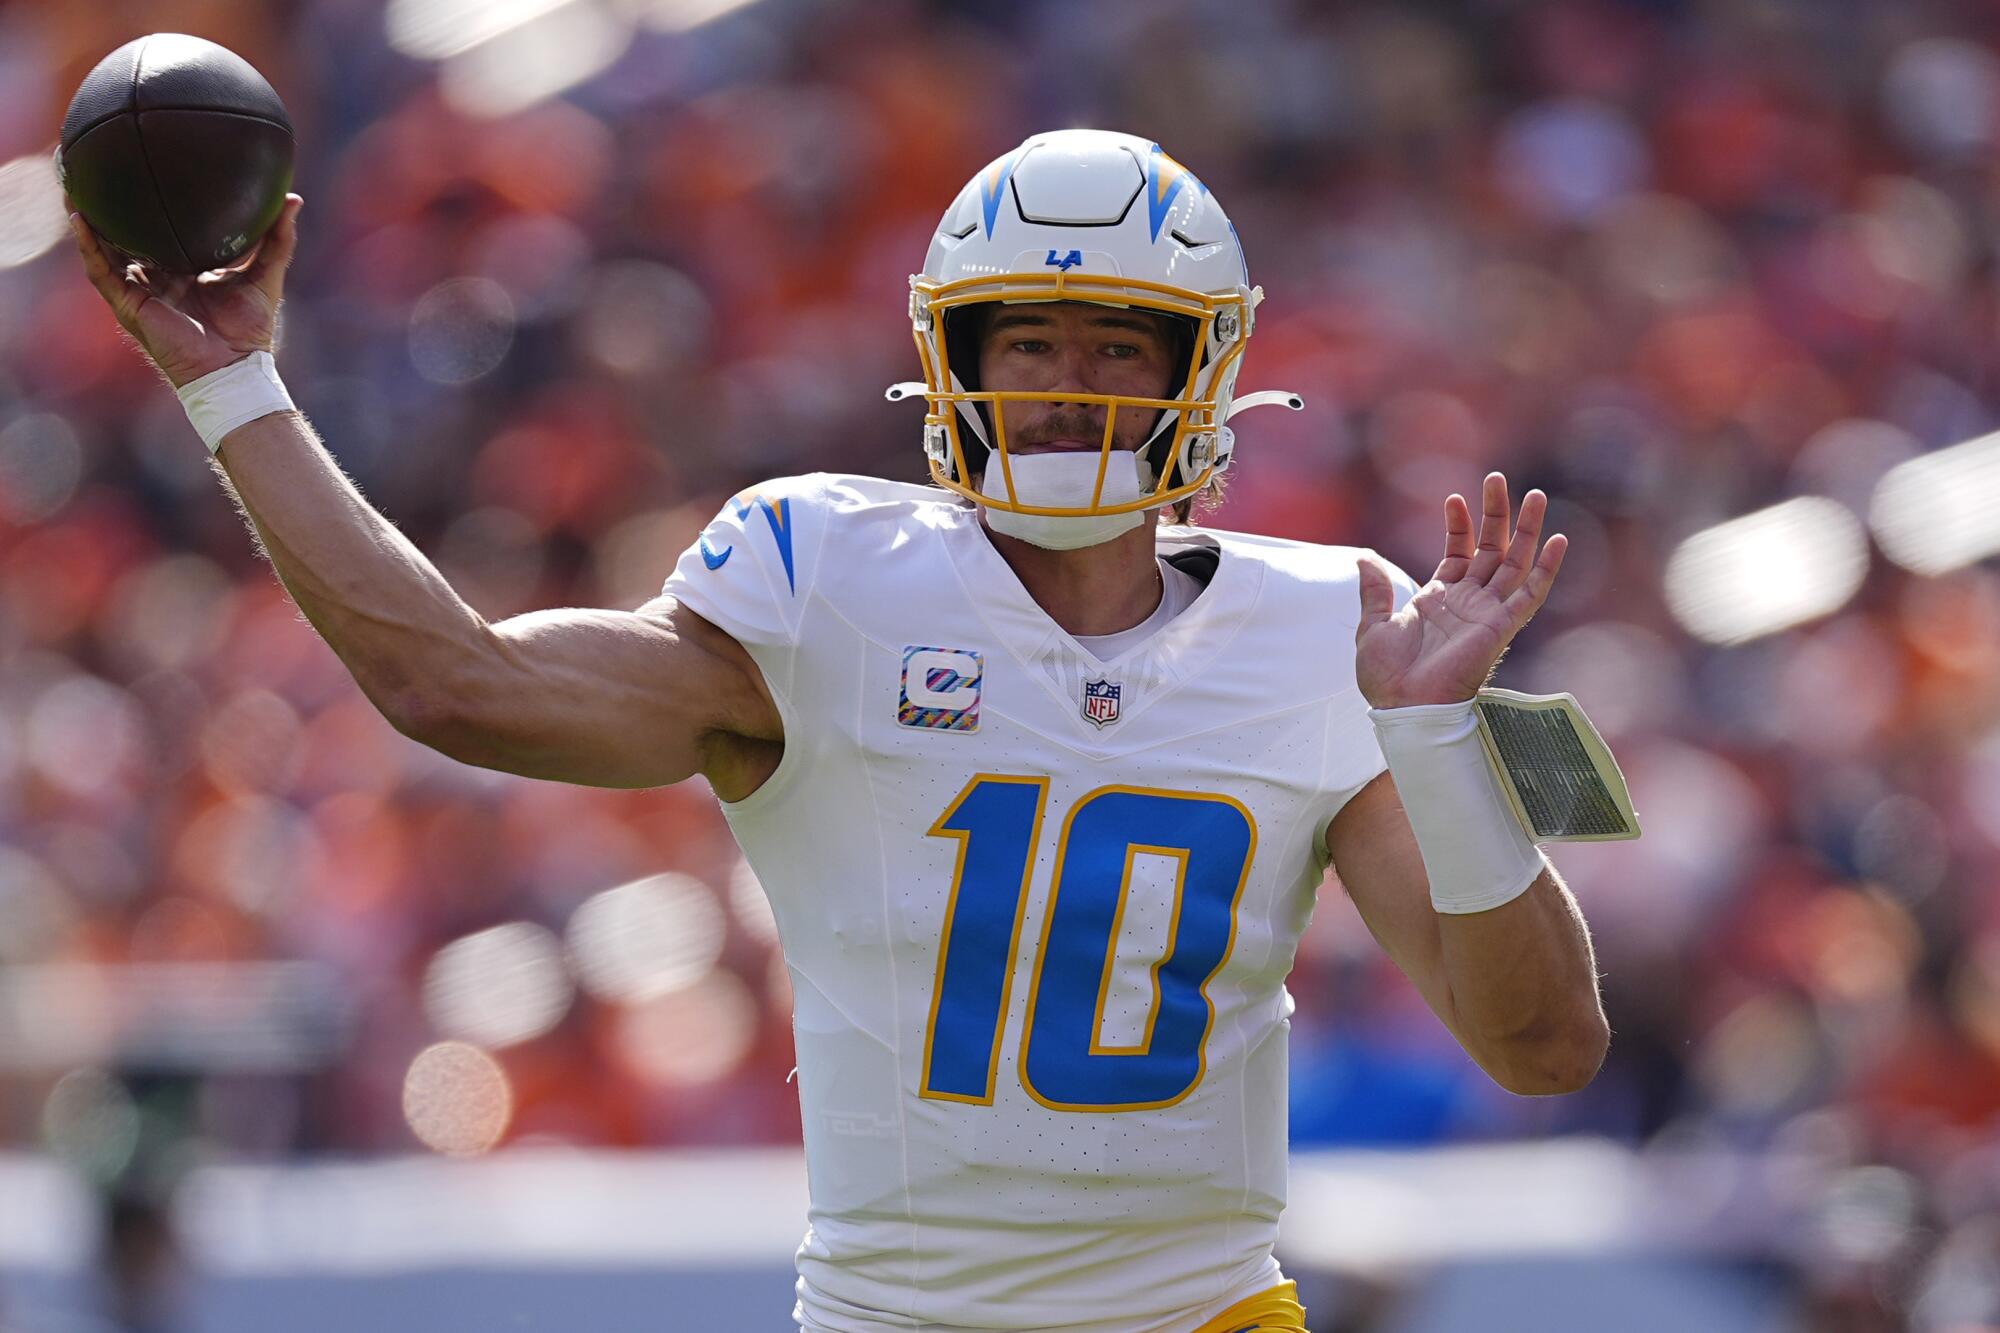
(1274, 1311)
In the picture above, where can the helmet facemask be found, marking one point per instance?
(965, 431)
(965, 331)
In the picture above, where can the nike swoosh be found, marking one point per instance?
(713, 558)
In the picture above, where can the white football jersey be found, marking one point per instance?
(1038, 909)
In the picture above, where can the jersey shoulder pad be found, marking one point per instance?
(867, 519)
(753, 565)
(758, 563)
(1330, 576)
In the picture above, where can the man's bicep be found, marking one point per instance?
(1376, 856)
(607, 698)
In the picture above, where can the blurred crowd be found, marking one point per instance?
(1671, 261)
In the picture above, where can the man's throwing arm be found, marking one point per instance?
(599, 697)
(607, 698)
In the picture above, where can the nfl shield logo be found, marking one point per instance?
(1100, 701)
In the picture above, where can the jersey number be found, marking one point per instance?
(997, 821)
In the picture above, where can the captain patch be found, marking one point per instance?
(941, 689)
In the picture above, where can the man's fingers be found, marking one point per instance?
(110, 281)
(1494, 511)
(144, 280)
(1378, 593)
(1458, 527)
(1514, 568)
(1458, 543)
(95, 262)
(274, 252)
(1528, 598)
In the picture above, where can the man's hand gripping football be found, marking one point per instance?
(191, 326)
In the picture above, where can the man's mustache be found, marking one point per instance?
(1073, 422)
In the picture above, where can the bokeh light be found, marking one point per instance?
(694, 1035)
(681, 15)
(535, 60)
(1942, 94)
(434, 29)
(1941, 511)
(251, 743)
(1847, 460)
(540, 259)
(1761, 1057)
(1867, 1214)
(86, 736)
(641, 318)
(1767, 571)
(1627, 678)
(457, 1099)
(32, 218)
(36, 910)
(646, 939)
(499, 986)
(41, 461)
(90, 1120)
(1569, 160)
(257, 850)
(171, 612)
(1903, 843)
(461, 329)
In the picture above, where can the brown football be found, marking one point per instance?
(177, 152)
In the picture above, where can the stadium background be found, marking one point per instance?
(573, 271)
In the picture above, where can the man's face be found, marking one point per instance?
(1050, 347)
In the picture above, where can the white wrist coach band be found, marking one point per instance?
(235, 395)
(1475, 851)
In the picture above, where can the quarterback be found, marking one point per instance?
(1041, 779)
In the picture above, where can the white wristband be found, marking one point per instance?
(1475, 851)
(235, 395)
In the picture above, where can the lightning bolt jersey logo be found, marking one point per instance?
(777, 513)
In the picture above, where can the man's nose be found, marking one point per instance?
(1072, 371)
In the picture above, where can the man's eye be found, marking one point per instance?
(1031, 345)
(1123, 351)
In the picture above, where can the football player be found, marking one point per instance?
(1041, 788)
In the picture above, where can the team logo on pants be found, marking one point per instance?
(1100, 701)
(941, 689)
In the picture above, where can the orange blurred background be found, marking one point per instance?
(574, 271)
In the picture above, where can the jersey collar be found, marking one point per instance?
(1179, 652)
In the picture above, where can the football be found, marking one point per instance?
(177, 151)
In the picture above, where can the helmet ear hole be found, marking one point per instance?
(964, 331)
(1159, 450)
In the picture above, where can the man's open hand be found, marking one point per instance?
(191, 326)
(1441, 647)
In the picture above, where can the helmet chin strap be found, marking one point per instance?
(1064, 481)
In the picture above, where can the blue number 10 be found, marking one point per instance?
(997, 821)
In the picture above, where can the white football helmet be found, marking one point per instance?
(1110, 219)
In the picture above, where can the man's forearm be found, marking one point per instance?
(377, 601)
(1524, 986)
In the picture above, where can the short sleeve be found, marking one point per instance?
(751, 569)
